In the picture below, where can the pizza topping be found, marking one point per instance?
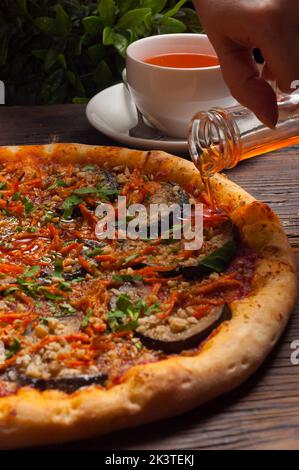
(179, 332)
(76, 311)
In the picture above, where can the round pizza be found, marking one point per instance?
(101, 333)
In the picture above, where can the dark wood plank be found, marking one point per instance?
(264, 412)
(46, 124)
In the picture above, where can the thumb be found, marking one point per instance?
(242, 77)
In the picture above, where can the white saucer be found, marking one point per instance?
(113, 113)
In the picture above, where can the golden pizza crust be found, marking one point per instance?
(168, 387)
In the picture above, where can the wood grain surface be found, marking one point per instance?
(264, 412)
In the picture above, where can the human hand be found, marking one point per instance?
(234, 28)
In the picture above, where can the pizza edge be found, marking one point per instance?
(172, 386)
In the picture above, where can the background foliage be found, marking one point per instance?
(54, 52)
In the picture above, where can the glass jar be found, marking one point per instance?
(220, 138)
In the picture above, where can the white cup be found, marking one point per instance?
(169, 97)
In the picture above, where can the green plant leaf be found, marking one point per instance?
(50, 58)
(119, 41)
(96, 53)
(155, 5)
(175, 9)
(51, 85)
(23, 7)
(59, 26)
(40, 53)
(171, 25)
(103, 76)
(107, 12)
(63, 21)
(133, 18)
(92, 25)
(47, 25)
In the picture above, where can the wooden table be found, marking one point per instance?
(264, 412)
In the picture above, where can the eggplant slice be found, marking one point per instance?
(171, 343)
(64, 384)
(168, 193)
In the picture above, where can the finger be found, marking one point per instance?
(282, 60)
(242, 76)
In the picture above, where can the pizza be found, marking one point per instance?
(100, 334)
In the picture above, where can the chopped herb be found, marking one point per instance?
(105, 193)
(125, 316)
(30, 288)
(67, 309)
(44, 321)
(139, 345)
(78, 279)
(219, 259)
(49, 216)
(69, 204)
(10, 290)
(152, 309)
(86, 319)
(31, 271)
(52, 307)
(3, 185)
(58, 267)
(16, 196)
(31, 229)
(13, 349)
(28, 205)
(89, 168)
(127, 278)
(18, 228)
(85, 191)
(65, 286)
(57, 184)
(94, 252)
(49, 295)
(131, 258)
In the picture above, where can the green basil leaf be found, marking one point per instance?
(13, 348)
(127, 278)
(31, 271)
(58, 268)
(123, 302)
(69, 204)
(86, 319)
(219, 259)
(85, 191)
(94, 252)
(57, 184)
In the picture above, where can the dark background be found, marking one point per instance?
(62, 52)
